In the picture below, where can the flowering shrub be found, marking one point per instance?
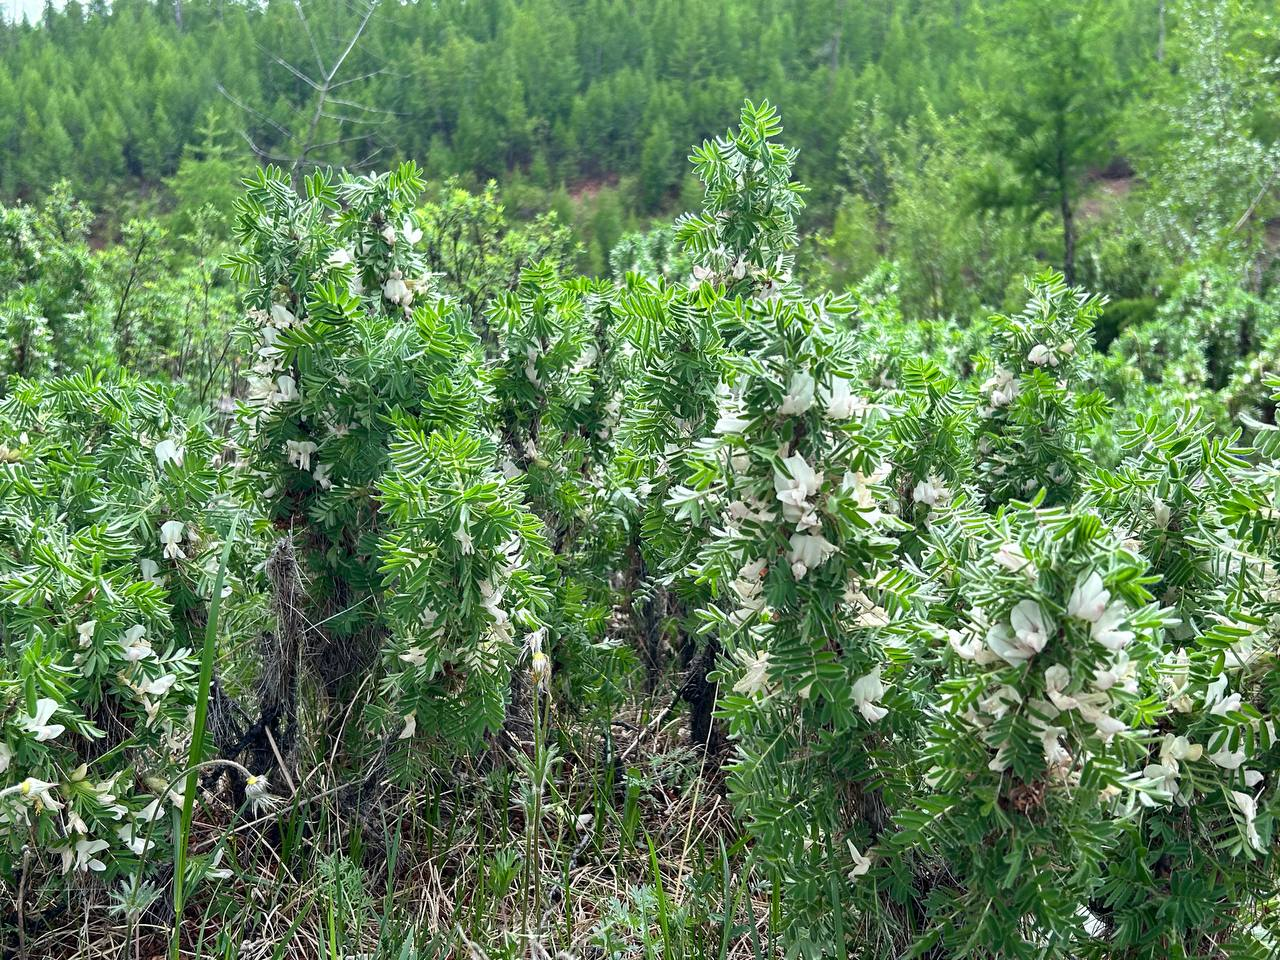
(989, 661)
(109, 539)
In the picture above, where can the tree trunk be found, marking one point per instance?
(1068, 224)
(1160, 37)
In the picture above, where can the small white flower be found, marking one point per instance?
(6, 756)
(861, 863)
(931, 491)
(1227, 760)
(799, 396)
(321, 475)
(340, 257)
(396, 290)
(39, 792)
(410, 726)
(756, 676)
(866, 690)
(38, 725)
(84, 632)
(157, 687)
(171, 532)
(1248, 808)
(282, 316)
(389, 234)
(1223, 705)
(1041, 356)
(794, 491)
(808, 551)
(839, 401)
(414, 656)
(1012, 558)
(168, 451)
(731, 420)
(1106, 629)
(1161, 512)
(1030, 627)
(463, 536)
(1089, 599)
(134, 644)
(1001, 642)
(299, 453)
(286, 389)
(134, 839)
(410, 233)
(150, 571)
(82, 856)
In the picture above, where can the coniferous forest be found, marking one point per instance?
(603, 479)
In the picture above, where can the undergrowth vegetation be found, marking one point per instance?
(493, 610)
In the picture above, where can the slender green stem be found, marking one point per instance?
(207, 655)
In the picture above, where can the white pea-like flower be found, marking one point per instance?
(1089, 599)
(396, 290)
(1042, 355)
(299, 453)
(755, 677)
(171, 533)
(839, 401)
(866, 690)
(931, 491)
(135, 645)
(282, 316)
(38, 724)
(799, 396)
(167, 452)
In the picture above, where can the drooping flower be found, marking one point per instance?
(931, 491)
(39, 792)
(171, 532)
(1042, 355)
(839, 400)
(1089, 599)
(299, 453)
(1161, 513)
(287, 389)
(168, 451)
(396, 290)
(1011, 557)
(1106, 630)
(866, 690)
(799, 396)
(157, 687)
(411, 233)
(756, 677)
(83, 856)
(1248, 808)
(134, 644)
(795, 490)
(1030, 627)
(84, 632)
(861, 862)
(807, 552)
(410, 726)
(282, 316)
(1227, 760)
(38, 724)
(135, 839)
